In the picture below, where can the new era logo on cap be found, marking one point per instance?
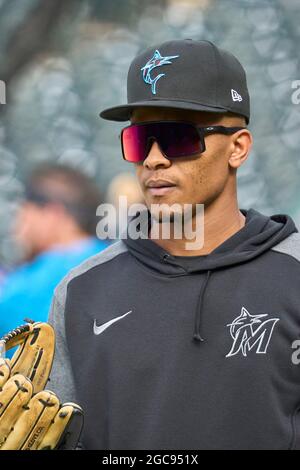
(235, 96)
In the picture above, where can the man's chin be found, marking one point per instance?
(163, 218)
(172, 212)
(165, 212)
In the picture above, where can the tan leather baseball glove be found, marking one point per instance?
(32, 418)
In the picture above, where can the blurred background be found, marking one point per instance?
(64, 61)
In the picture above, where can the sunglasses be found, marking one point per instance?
(175, 139)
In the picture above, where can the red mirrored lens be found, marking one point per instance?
(134, 141)
(176, 139)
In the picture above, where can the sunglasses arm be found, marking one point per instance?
(220, 130)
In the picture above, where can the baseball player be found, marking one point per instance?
(169, 348)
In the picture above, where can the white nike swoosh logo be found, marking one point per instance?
(99, 329)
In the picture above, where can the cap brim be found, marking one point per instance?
(123, 112)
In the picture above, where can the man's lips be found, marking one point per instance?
(159, 187)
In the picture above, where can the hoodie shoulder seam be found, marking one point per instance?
(106, 255)
(289, 246)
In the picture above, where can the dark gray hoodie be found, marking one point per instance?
(167, 352)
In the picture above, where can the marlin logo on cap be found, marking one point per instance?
(156, 61)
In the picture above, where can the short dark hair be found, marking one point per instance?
(61, 184)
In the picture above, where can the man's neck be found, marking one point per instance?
(219, 225)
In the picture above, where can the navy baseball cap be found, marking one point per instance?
(185, 74)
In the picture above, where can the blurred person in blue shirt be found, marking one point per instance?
(56, 227)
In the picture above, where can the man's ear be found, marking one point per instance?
(241, 146)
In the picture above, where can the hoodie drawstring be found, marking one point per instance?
(197, 336)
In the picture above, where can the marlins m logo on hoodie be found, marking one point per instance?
(248, 331)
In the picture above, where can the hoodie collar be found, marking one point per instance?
(259, 234)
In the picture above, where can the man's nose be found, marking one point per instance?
(155, 158)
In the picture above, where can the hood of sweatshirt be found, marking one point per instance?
(259, 234)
